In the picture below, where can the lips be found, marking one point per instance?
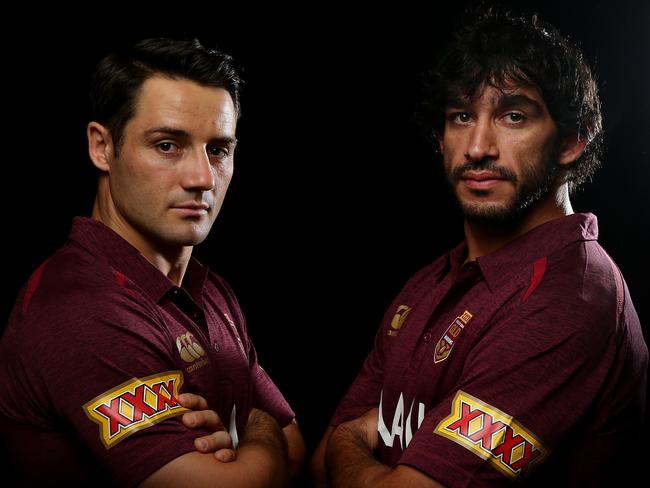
(192, 206)
(191, 210)
(482, 180)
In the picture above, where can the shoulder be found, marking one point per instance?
(75, 302)
(577, 293)
(72, 323)
(580, 278)
(75, 282)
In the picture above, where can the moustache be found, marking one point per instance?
(483, 165)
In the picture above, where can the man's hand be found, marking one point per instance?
(261, 454)
(219, 442)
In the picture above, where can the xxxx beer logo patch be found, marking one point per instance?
(492, 435)
(135, 405)
(398, 319)
(448, 339)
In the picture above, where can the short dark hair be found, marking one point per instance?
(118, 77)
(504, 50)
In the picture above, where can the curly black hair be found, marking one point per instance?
(505, 51)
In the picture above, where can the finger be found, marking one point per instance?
(208, 419)
(213, 442)
(192, 401)
(225, 455)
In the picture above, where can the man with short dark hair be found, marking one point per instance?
(120, 330)
(518, 355)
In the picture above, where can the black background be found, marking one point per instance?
(336, 198)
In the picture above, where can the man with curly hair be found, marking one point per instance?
(517, 355)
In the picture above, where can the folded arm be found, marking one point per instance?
(345, 458)
(261, 461)
(219, 442)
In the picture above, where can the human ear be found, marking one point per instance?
(571, 148)
(100, 145)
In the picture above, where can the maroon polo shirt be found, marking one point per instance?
(98, 347)
(528, 363)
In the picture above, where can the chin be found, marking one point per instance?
(489, 212)
(184, 239)
(193, 240)
(196, 232)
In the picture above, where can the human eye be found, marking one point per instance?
(515, 118)
(460, 118)
(217, 151)
(166, 146)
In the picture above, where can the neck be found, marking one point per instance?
(485, 238)
(172, 261)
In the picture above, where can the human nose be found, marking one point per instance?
(482, 142)
(198, 173)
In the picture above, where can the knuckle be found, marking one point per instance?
(222, 438)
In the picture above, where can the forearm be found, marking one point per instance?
(261, 462)
(349, 462)
(265, 443)
(253, 468)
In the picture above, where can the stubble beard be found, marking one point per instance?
(533, 186)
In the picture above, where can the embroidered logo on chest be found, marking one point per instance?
(398, 319)
(190, 351)
(449, 338)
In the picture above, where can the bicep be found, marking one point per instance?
(121, 398)
(530, 384)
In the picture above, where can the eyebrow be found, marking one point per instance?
(164, 130)
(510, 101)
(502, 102)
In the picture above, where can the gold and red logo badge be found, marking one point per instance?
(398, 319)
(492, 435)
(135, 405)
(448, 339)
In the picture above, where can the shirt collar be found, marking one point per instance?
(504, 264)
(106, 245)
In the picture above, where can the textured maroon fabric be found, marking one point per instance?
(98, 316)
(479, 386)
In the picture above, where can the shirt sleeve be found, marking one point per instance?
(268, 397)
(113, 383)
(526, 388)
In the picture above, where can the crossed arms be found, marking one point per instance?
(344, 459)
(267, 455)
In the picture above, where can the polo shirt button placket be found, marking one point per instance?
(426, 337)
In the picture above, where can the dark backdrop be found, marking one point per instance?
(336, 199)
